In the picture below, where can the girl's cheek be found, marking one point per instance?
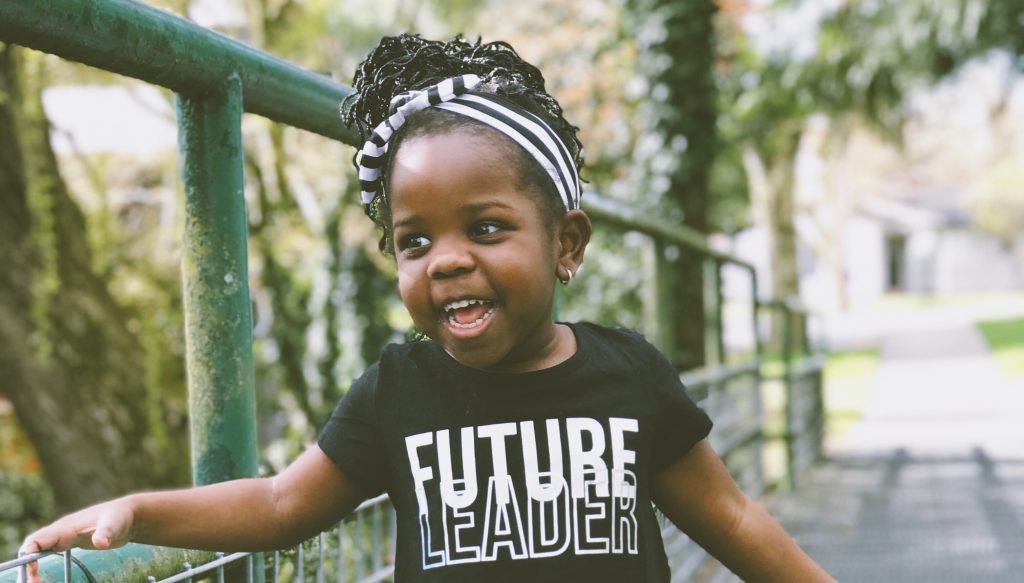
(405, 285)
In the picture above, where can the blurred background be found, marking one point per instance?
(867, 156)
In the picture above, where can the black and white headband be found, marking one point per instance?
(529, 131)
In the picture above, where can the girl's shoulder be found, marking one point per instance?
(394, 358)
(399, 353)
(616, 344)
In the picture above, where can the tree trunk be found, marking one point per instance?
(781, 228)
(676, 45)
(772, 175)
(69, 364)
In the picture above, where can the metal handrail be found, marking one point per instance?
(175, 565)
(156, 46)
(624, 217)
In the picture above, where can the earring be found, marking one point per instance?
(568, 279)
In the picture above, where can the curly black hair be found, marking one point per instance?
(408, 62)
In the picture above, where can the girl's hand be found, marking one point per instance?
(104, 526)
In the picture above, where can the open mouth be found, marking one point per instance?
(468, 313)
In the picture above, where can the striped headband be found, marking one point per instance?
(454, 94)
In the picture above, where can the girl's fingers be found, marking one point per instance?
(112, 528)
(58, 537)
(29, 547)
(32, 571)
(46, 539)
(106, 534)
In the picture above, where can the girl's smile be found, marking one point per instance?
(477, 261)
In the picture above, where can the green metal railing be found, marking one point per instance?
(215, 80)
(802, 377)
(359, 550)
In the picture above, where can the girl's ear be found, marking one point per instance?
(573, 235)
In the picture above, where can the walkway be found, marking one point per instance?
(929, 486)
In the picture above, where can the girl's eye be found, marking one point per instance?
(484, 229)
(413, 243)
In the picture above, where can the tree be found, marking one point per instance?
(676, 55)
(71, 365)
(866, 58)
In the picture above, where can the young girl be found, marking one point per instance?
(513, 448)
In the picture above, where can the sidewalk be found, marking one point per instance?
(929, 486)
(938, 392)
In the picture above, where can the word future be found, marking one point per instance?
(591, 512)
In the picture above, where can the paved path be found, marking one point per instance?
(938, 392)
(900, 518)
(929, 486)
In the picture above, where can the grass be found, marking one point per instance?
(849, 378)
(1006, 341)
(908, 301)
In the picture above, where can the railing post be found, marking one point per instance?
(714, 333)
(755, 314)
(218, 313)
(787, 378)
(215, 276)
(658, 308)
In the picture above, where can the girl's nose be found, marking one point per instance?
(448, 260)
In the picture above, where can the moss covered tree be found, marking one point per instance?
(676, 56)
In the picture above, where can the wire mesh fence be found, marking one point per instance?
(360, 549)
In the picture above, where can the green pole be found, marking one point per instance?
(714, 333)
(659, 298)
(787, 358)
(218, 313)
(147, 43)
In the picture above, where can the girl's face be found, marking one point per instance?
(477, 262)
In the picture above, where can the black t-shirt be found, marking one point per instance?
(537, 476)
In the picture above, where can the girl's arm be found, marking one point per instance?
(249, 514)
(697, 493)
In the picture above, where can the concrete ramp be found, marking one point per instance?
(901, 518)
(939, 392)
(929, 486)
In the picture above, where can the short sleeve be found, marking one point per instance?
(351, 438)
(678, 422)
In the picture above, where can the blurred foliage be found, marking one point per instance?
(26, 500)
(855, 65)
(997, 202)
(676, 112)
(26, 503)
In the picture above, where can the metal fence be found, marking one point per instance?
(802, 379)
(360, 549)
(215, 79)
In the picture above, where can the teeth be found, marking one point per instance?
(461, 304)
(456, 324)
